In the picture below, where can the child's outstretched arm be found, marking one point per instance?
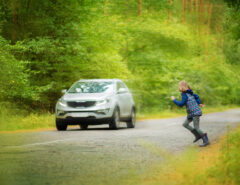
(182, 102)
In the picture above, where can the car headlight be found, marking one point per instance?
(62, 103)
(103, 111)
(103, 102)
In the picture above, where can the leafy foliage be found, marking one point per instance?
(13, 81)
(47, 45)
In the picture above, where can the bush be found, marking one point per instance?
(14, 81)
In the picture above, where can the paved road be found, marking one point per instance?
(98, 155)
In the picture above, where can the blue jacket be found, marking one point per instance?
(185, 98)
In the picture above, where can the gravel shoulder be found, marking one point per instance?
(99, 155)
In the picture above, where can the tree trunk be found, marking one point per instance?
(183, 11)
(15, 21)
(209, 18)
(139, 7)
(200, 16)
(186, 6)
(200, 11)
(169, 11)
(196, 6)
(105, 7)
(28, 4)
(191, 6)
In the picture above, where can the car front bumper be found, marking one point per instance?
(94, 115)
(87, 120)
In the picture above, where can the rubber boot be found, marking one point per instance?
(205, 140)
(196, 134)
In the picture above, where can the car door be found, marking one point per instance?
(124, 99)
(128, 100)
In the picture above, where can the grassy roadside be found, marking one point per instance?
(10, 121)
(28, 122)
(217, 164)
(181, 112)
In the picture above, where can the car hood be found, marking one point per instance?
(85, 96)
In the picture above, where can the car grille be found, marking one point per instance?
(81, 103)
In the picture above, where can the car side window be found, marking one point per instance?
(118, 86)
(124, 86)
(121, 85)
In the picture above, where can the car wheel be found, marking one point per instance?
(132, 122)
(115, 123)
(84, 126)
(60, 124)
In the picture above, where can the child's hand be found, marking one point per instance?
(173, 98)
(202, 105)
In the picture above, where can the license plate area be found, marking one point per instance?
(80, 114)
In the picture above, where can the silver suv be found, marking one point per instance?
(92, 102)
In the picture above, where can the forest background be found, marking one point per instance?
(47, 45)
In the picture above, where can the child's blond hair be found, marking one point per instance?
(183, 86)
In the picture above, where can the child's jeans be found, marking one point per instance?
(195, 120)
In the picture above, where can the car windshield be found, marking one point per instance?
(91, 87)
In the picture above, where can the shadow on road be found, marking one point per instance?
(94, 129)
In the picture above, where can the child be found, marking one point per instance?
(193, 103)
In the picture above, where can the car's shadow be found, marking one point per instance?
(92, 128)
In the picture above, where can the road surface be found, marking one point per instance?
(99, 155)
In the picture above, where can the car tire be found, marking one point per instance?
(132, 122)
(84, 126)
(115, 122)
(61, 125)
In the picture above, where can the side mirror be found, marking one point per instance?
(64, 91)
(121, 90)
